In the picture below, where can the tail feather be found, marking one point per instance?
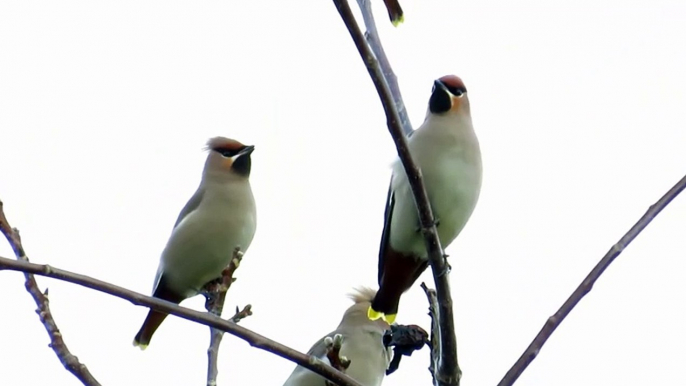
(395, 12)
(155, 318)
(399, 274)
(150, 325)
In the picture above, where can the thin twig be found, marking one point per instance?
(435, 329)
(587, 284)
(254, 339)
(216, 296)
(372, 37)
(242, 314)
(448, 372)
(69, 360)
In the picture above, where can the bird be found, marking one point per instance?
(447, 151)
(395, 12)
(362, 345)
(219, 218)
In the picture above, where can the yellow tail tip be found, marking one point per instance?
(398, 21)
(373, 314)
(139, 345)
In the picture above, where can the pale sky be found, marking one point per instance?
(578, 105)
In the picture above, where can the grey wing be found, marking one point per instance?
(191, 205)
(304, 377)
(386, 234)
(158, 276)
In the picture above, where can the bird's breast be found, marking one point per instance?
(368, 356)
(452, 177)
(202, 245)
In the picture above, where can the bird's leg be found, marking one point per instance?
(215, 290)
(211, 292)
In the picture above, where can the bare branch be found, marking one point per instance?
(448, 372)
(587, 284)
(254, 339)
(69, 360)
(215, 293)
(372, 37)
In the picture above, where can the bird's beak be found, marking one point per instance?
(246, 150)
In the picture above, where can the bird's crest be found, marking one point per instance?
(222, 143)
(362, 294)
(453, 81)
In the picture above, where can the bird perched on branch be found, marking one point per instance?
(395, 12)
(362, 345)
(218, 218)
(447, 151)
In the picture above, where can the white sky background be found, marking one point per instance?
(579, 107)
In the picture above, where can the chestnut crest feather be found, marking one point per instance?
(454, 84)
(362, 295)
(224, 146)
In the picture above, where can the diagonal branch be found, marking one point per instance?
(448, 372)
(69, 360)
(254, 339)
(585, 287)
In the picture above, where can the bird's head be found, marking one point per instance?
(448, 96)
(228, 156)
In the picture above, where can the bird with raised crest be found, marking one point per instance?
(362, 344)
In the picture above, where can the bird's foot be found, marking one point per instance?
(212, 287)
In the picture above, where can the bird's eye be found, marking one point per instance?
(456, 91)
(228, 153)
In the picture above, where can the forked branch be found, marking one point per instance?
(215, 292)
(69, 360)
(254, 339)
(447, 373)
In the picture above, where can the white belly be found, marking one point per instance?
(453, 182)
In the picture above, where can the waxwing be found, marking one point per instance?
(362, 345)
(218, 218)
(447, 151)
